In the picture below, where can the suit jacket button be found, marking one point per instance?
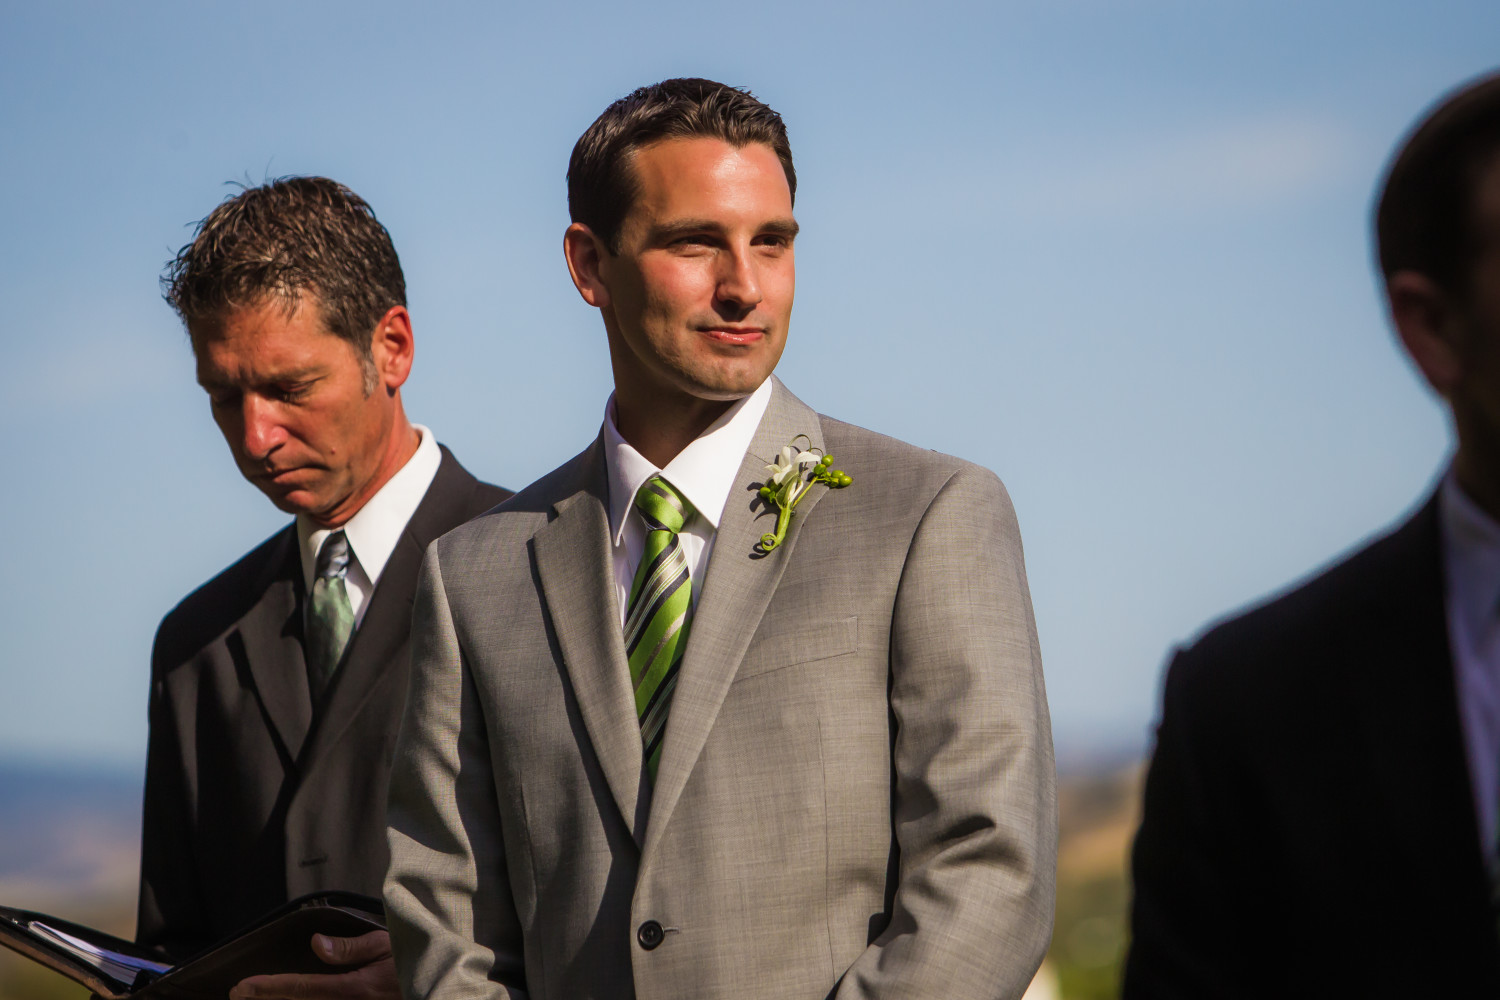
(649, 935)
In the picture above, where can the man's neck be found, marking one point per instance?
(1477, 462)
(661, 429)
(401, 446)
(1478, 482)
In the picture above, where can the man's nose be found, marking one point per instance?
(262, 431)
(739, 282)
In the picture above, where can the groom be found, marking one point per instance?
(648, 751)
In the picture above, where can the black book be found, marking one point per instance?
(115, 969)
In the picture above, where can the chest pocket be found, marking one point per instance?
(777, 652)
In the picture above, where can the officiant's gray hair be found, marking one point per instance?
(601, 186)
(282, 240)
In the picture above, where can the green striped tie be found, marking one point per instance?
(658, 612)
(330, 615)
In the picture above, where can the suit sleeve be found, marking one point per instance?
(1188, 939)
(452, 918)
(170, 915)
(975, 806)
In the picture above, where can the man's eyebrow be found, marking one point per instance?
(684, 227)
(274, 378)
(667, 231)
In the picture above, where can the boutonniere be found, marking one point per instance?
(791, 477)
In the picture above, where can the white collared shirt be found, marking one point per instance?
(1471, 569)
(376, 527)
(704, 472)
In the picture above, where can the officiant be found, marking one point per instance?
(277, 687)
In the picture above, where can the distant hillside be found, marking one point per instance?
(61, 828)
(1097, 816)
(69, 845)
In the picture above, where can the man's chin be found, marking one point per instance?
(725, 385)
(295, 501)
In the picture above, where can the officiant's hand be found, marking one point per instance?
(371, 975)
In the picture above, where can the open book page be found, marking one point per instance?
(123, 968)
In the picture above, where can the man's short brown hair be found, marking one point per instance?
(288, 238)
(1424, 221)
(601, 186)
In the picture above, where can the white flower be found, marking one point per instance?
(785, 485)
(791, 463)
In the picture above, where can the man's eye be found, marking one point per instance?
(293, 392)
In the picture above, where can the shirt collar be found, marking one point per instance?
(1471, 555)
(704, 472)
(376, 527)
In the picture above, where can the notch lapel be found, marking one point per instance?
(1406, 710)
(736, 591)
(378, 651)
(271, 633)
(574, 556)
(372, 654)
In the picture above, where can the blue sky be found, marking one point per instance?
(1117, 252)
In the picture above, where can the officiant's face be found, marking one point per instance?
(307, 421)
(700, 292)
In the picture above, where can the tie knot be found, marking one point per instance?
(333, 557)
(663, 508)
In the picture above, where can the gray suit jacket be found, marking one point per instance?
(856, 793)
(250, 799)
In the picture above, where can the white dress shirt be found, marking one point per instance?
(704, 472)
(376, 527)
(1471, 568)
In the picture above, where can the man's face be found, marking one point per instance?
(700, 293)
(290, 398)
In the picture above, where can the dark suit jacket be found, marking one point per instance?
(1309, 826)
(248, 802)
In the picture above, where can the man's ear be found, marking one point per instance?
(392, 348)
(1430, 325)
(586, 254)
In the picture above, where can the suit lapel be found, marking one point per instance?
(736, 591)
(1408, 711)
(574, 557)
(385, 627)
(375, 650)
(272, 636)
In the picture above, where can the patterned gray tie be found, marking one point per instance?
(330, 616)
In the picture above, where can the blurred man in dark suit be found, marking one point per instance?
(1321, 810)
(277, 687)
